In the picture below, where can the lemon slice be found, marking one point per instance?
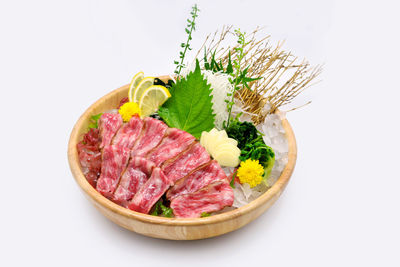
(152, 98)
(141, 87)
(135, 81)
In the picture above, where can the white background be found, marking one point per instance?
(341, 207)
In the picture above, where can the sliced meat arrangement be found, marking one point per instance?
(150, 192)
(109, 123)
(135, 163)
(175, 141)
(212, 198)
(197, 179)
(152, 134)
(128, 133)
(186, 162)
(135, 176)
(114, 161)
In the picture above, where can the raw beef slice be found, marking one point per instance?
(128, 133)
(109, 123)
(186, 162)
(114, 160)
(152, 133)
(174, 142)
(199, 178)
(150, 192)
(135, 176)
(212, 198)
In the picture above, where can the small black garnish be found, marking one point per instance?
(156, 116)
(168, 85)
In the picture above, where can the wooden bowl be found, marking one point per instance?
(171, 228)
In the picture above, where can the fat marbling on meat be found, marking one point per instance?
(195, 156)
(109, 123)
(128, 133)
(134, 177)
(174, 142)
(213, 197)
(114, 161)
(152, 134)
(150, 192)
(197, 179)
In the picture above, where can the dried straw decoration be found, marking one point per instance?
(283, 76)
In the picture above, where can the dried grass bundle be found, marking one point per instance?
(283, 76)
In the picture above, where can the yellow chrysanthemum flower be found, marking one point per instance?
(129, 109)
(250, 172)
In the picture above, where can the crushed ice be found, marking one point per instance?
(274, 136)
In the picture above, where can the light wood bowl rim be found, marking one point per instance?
(73, 160)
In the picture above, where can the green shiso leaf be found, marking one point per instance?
(190, 106)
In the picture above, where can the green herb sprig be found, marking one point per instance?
(239, 73)
(190, 27)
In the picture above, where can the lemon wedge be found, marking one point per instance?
(152, 98)
(134, 83)
(142, 86)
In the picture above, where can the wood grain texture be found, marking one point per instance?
(171, 228)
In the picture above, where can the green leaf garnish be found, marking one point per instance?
(258, 150)
(160, 209)
(244, 132)
(190, 106)
(205, 214)
(232, 183)
(94, 121)
(167, 212)
(251, 144)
